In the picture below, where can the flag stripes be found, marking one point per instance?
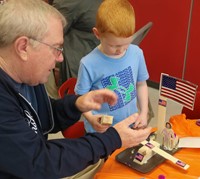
(178, 90)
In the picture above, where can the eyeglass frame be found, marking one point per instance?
(58, 49)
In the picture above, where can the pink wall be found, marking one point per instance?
(164, 46)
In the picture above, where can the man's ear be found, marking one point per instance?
(21, 45)
(96, 32)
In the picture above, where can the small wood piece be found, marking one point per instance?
(145, 153)
(164, 154)
(106, 120)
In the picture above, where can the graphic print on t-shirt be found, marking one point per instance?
(122, 83)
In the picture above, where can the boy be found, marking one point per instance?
(115, 64)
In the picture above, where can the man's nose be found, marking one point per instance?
(60, 58)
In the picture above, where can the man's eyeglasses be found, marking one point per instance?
(59, 50)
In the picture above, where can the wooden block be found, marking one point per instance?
(164, 154)
(106, 120)
(145, 153)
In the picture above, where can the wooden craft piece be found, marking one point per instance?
(166, 155)
(106, 120)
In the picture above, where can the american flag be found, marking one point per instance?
(178, 90)
(162, 102)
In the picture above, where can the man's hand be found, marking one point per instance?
(131, 137)
(94, 99)
(97, 126)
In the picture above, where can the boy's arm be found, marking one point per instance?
(142, 98)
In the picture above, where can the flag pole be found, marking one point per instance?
(187, 39)
(162, 105)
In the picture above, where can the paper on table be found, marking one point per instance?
(189, 142)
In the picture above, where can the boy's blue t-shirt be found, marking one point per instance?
(97, 71)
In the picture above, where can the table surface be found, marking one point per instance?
(113, 169)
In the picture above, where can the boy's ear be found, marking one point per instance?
(96, 32)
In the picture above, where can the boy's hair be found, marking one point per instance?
(25, 18)
(116, 17)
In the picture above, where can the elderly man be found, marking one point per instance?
(31, 39)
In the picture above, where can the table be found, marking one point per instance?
(112, 169)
